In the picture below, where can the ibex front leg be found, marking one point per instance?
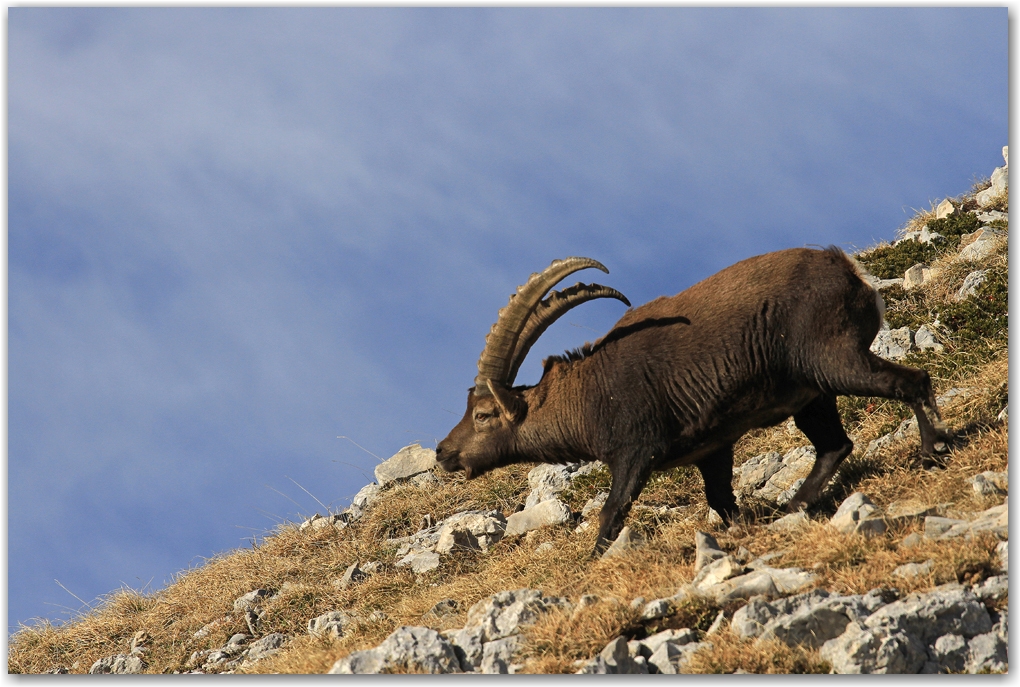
(630, 474)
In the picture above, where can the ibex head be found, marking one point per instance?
(486, 437)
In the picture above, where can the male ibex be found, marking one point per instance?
(678, 380)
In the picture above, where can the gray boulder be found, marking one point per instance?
(548, 481)
(971, 283)
(418, 649)
(987, 653)
(627, 540)
(796, 464)
(980, 244)
(860, 650)
(614, 659)
(949, 609)
(893, 344)
(329, 624)
(990, 483)
(925, 339)
(549, 512)
(121, 664)
(477, 531)
(407, 462)
(498, 616)
(706, 550)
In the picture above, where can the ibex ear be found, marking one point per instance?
(510, 404)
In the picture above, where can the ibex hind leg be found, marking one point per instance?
(879, 377)
(820, 422)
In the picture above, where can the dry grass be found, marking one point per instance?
(303, 567)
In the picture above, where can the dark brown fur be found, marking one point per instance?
(678, 380)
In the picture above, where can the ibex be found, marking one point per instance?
(678, 380)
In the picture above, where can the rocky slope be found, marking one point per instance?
(902, 568)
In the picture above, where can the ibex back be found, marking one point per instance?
(678, 380)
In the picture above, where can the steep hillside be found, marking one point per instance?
(902, 567)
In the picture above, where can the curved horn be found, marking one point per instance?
(550, 310)
(501, 342)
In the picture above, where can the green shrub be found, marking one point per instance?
(890, 262)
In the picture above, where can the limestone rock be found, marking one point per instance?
(926, 339)
(1000, 182)
(796, 464)
(916, 276)
(947, 609)
(971, 283)
(496, 617)
(995, 520)
(893, 344)
(471, 530)
(614, 659)
(329, 624)
(549, 512)
(790, 521)
(420, 562)
(548, 481)
(754, 472)
(626, 541)
(706, 550)
(407, 462)
(992, 216)
(595, 503)
(418, 649)
(989, 483)
(121, 664)
(265, 647)
(944, 209)
(980, 244)
(862, 651)
(858, 514)
(911, 570)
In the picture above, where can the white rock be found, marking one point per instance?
(706, 550)
(329, 624)
(595, 503)
(917, 275)
(407, 462)
(471, 530)
(419, 649)
(944, 209)
(717, 571)
(121, 664)
(971, 283)
(909, 571)
(893, 344)
(627, 540)
(854, 509)
(422, 562)
(980, 244)
(1000, 182)
(790, 521)
(925, 339)
(548, 481)
(992, 216)
(990, 483)
(550, 512)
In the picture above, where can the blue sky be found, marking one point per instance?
(236, 235)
